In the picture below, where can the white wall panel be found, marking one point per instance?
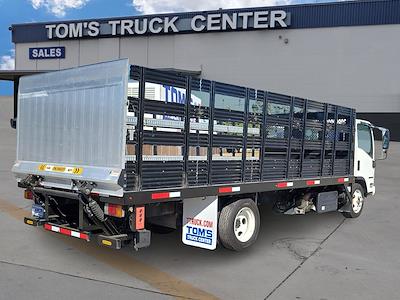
(108, 49)
(88, 52)
(161, 52)
(22, 61)
(135, 49)
(71, 54)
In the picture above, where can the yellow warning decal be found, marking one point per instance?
(105, 242)
(60, 169)
(77, 171)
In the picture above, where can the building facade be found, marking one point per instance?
(345, 53)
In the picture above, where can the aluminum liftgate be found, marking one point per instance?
(226, 139)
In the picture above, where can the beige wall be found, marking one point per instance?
(352, 66)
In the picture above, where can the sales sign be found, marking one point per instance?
(47, 53)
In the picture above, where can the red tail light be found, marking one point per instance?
(114, 210)
(28, 195)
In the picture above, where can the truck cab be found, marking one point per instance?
(365, 153)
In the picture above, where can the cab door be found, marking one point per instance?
(364, 162)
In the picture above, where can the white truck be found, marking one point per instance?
(111, 152)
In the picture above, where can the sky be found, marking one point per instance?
(27, 11)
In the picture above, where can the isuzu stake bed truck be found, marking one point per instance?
(111, 152)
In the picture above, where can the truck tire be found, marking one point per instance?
(357, 203)
(239, 224)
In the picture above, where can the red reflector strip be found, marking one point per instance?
(65, 231)
(159, 196)
(165, 195)
(68, 232)
(140, 216)
(313, 182)
(84, 236)
(343, 180)
(284, 184)
(229, 189)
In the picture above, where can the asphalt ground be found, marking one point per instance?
(296, 257)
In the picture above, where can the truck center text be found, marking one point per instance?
(170, 24)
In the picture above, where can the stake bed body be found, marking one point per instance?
(138, 143)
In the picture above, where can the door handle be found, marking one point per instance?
(358, 165)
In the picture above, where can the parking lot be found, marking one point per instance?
(295, 257)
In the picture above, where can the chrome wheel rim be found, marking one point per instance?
(245, 224)
(358, 201)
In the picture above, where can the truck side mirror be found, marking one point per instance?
(385, 141)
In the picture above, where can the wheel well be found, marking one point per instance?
(361, 182)
(226, 200)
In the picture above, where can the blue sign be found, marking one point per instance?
(199, 235)
(47, 53)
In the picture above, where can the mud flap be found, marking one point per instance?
(200, 222)
(347, 206)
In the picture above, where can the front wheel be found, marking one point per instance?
(239, 224)
(357, 202)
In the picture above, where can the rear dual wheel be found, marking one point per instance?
(239, 224)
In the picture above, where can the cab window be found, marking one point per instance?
(365, 138)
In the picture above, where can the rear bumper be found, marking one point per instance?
(64, 230)
(61, 229)
(140, 239)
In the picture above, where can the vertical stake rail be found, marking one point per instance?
(334, 141)
(262, 134)
(211, 131)
(187, 131)
(245, 133)
(289, 149)
(323, 138)
(304, 136)
(139, 127)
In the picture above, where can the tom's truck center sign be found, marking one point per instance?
(245, 20)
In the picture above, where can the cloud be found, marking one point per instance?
(164, 6)
(7, 62)
(58, 7)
